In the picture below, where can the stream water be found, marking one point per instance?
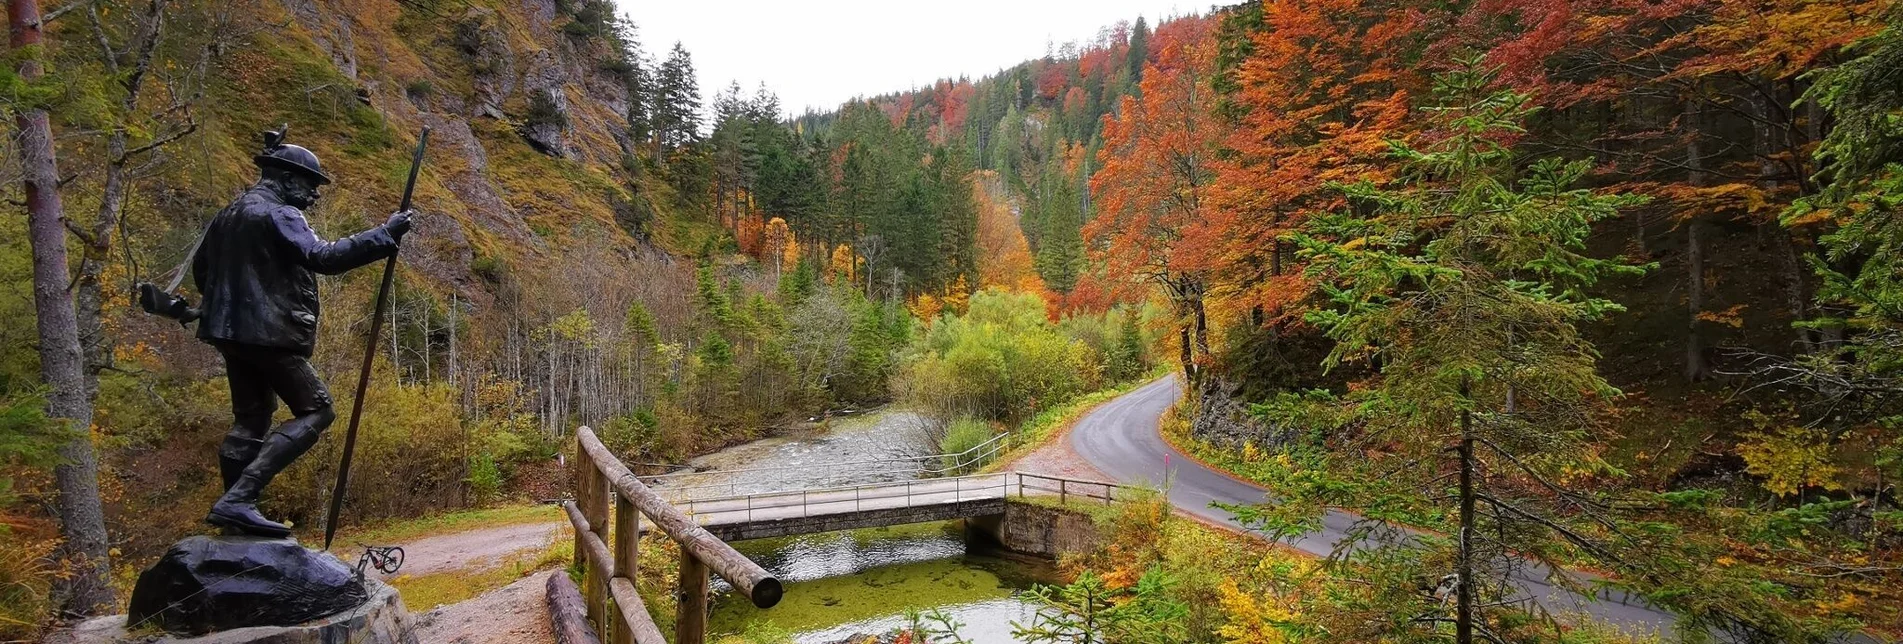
(862, 582)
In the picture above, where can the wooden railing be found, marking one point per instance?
(601, 481)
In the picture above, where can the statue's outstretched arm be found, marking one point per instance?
(332, 257)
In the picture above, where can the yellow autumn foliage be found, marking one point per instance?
(1251, 620)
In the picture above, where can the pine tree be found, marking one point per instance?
(1139, 53)
(1465, 283)
(959, 231)
(676, 101)
(1060, 253)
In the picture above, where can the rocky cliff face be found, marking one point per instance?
(1223, 419)
(529, 121)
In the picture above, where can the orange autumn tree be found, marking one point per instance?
(1004, 257)
(1698, 103)
(1154, 187)
(1317, 90)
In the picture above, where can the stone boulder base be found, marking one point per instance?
(207, 584)
(380, 620)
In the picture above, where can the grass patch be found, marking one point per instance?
(459, 521)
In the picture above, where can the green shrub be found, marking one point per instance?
(544, 111)
(1001, 361)
(964, 434)
(410, 457)
(420, 88)
(631, 433)
(485, 479)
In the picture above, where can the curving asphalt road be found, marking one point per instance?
(1122, 440)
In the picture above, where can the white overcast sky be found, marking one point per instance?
(820, 54)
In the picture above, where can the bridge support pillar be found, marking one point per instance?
(690, 625)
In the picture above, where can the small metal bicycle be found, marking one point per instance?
(385, 558)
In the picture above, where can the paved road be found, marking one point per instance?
(1121, 439)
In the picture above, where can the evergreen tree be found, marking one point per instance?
(1139, 53)
(958, 241)
(676, 110)
(1060, 252)
(1464, 284)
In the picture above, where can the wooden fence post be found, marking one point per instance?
(690, 625)
(627, 555)
(597, 514)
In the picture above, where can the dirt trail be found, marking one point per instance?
(513, 614)
(474, 549)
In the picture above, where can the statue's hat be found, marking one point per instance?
(279, 154)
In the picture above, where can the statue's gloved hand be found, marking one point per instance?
(399, 224)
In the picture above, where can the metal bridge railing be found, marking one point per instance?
(746, 508)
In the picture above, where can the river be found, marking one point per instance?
(862, 582)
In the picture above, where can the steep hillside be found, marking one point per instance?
(565, 268)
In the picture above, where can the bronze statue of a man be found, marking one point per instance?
(256, 270)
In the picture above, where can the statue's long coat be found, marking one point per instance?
(255, 271)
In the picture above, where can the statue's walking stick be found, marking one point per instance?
(369, 355)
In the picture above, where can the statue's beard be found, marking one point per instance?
(300, 196)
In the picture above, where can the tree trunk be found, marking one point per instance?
(84, 588)
(1790, 266)
(89, 300)
(1202, 326)
(1697, 367)
(1188, 358)
(1464, 603)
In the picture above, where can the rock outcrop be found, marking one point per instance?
(379, 620)
(1223, 418)
(206, 584)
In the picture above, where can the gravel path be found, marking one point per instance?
(513, 614)
(474, 549)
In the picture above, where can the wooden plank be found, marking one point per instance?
(627, 537)
(690, 625)
(635, 625)
(745, 575)
(567, 612)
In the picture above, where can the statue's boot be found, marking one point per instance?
(238, 508)
(234, 455)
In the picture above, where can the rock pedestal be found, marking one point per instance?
(379, 620)
(206, 584)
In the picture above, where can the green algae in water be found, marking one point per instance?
(873, 576)
(823, 603)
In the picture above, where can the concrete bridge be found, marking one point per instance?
(873, 505)
(612, 507)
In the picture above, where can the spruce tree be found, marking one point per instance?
(1463, 281)
(676, 110)
(1060, 253)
